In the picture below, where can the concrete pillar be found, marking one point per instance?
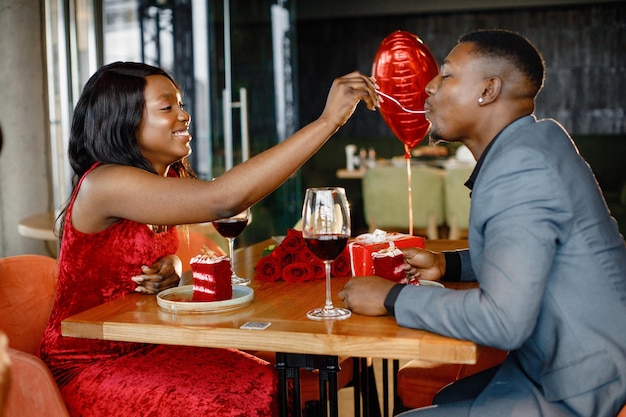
(24, 162)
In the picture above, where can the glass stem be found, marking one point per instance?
(231, 250)
(329, 299)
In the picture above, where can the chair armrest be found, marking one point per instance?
(33, 390)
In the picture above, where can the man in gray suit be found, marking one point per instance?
(548, 257)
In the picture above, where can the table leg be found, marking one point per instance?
(396, 368)
(396, 400)
(372, 404)
(284, 374)
(288, 366)
(385, 387)
(356, 383)
(365, 391)
(330, 375)
(365, 387)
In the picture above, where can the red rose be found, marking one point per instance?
(341, 265)
(267, 269)
(320, 269)
(293, 240)
(305, 255)
(292, 261)
(298, 272)
(285, 255)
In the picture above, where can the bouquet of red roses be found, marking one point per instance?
(292, 261)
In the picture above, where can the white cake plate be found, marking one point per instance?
(178, 300)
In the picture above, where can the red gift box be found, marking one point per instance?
(363, 246)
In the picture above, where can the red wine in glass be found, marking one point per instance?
(230, 227)
(326, 229)
(326, 247)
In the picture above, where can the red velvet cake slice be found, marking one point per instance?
(211, 278)
(389, 264)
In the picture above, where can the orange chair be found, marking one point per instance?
(419, 381)
(187, 249)
(33, 391)
(27, 289)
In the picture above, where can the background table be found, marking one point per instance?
(38, 226)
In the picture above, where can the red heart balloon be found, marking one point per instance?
(403, 66)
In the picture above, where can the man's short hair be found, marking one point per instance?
(516, 49)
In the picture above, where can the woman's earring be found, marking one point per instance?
(480, 100)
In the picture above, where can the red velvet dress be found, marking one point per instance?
(102, 378)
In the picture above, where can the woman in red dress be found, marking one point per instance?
(128, 149)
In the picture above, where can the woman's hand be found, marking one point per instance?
(345, 94)
(161, 275)
(424, 264)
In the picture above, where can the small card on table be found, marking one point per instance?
(256, 325)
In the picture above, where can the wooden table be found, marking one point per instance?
(352, 174)
(138, 318)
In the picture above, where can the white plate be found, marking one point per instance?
(431, 283)
(178, 300)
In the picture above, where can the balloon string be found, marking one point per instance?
(399, 104)
(407, 152)
(408, 175)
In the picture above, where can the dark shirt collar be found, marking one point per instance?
(470, 182)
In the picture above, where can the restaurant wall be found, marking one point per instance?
(583, 46)
(24, 162)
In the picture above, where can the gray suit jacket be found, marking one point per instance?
(551, 266)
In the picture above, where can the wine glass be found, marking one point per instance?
(326, 229)
(230, 228)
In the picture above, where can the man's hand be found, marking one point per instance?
(366, 295)
(424, 264)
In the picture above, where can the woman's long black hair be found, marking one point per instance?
(107, 118)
